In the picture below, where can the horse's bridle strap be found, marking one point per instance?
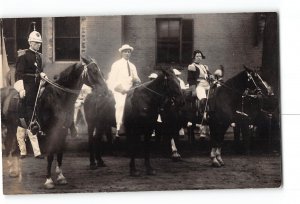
(73, 91)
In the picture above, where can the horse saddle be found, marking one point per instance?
(10, 103)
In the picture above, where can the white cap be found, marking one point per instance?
(176, 72)
(35, 36)
(125, 47)
(153, 76)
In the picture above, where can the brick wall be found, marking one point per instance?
(227, 39)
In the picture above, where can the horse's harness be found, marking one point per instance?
(65, 89)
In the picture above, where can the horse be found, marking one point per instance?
(223, 105)
(99, 108)
(256, 116)
(141, 110)
(55, 107)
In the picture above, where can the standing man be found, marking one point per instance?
(122, 77)
(29, 72)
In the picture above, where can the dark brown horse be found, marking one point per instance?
(224, 104)
(55, 107)
(141, 111)
(99, 108)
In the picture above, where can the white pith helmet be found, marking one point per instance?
(35, 36)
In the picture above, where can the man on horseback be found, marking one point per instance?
(29, 72)
(199, 78)
(122, 77)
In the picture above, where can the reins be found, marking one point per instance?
(73, 91)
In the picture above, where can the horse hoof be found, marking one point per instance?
(151, 172)
(93, 166)
(221, 162)
(101, 164)
(61, 180)
(49, 184)
(134, 173)
(215, 163)
(175, 157)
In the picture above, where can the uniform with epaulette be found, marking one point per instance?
(28, 69)
(29, 72)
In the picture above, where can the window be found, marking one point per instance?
(67, 38)
(16, 32)
(174, 40)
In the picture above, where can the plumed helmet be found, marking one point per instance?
(35, 36)
(220, 71)
(153, 76)
(176, 72)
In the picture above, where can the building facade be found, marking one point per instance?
(231, 40)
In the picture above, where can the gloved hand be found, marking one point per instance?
(22, 93)
(120, 89)
(43, 75)
(19, 86)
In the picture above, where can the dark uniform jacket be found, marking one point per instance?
(28, 69)
(194, 74)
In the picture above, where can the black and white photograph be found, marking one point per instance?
(141, 102)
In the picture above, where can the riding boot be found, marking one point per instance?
(203, 108)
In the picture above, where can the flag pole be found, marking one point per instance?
(3, 58)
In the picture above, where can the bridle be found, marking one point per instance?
(84, 74)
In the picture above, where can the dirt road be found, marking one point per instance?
(194, 172)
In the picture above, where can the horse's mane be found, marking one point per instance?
(64, 76)
(237, 80)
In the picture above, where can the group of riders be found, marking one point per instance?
(30, 79)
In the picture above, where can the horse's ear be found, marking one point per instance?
(247, 68)
(85, 58)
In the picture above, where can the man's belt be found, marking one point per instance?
(32, 75)
(201, 78)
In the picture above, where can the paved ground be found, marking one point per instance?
(194, 172)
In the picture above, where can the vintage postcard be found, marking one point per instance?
(140, 103)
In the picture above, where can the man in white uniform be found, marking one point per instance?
(122, 77)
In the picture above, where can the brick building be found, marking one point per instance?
(231, 40)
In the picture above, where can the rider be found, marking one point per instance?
(122, 77)
(199, 79)
(29, 72)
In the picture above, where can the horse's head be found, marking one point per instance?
(172, 87)
(261, 90)
(256, 84)
(92, 75)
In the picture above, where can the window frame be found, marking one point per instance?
(180, 41)
(54, 41)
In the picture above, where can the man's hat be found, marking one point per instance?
(125, 47)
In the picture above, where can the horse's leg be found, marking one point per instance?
(132, 145)
(49, 184)
(61, 180)
(99, 146)
(214, 143)
(220, 139)
(91, 141)
(175, 155)
(149, 169)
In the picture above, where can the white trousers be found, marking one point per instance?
(120, 105)
(201, 91)
(78, 109)
(21, 132)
